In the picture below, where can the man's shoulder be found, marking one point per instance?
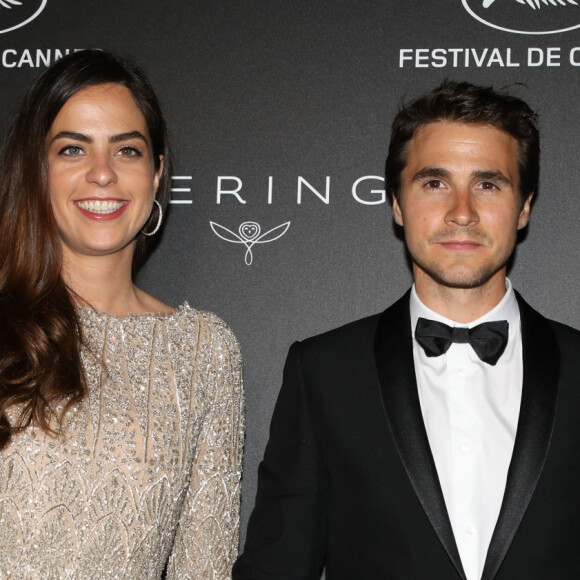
(563, 332)
(566, 334)
(358, 335)
(537, 327)
(354, 330)
(337, 353)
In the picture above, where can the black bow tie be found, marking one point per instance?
(488, 340)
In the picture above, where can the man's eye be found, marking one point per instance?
(488, 185)
(71, 151)
(433, 184)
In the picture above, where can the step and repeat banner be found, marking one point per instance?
(280, 114)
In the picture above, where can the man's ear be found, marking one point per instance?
(524, 216)
(397, 213)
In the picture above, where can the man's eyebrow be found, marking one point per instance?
(492, 175)
(482, 174)
(431, 173)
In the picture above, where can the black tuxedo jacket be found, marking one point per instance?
(348, 480)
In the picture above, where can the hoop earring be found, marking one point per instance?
(159, 220)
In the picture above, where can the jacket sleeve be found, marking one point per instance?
(287, 529)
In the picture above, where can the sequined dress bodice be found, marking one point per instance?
(145, 476)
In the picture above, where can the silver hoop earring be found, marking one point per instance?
(159, 220)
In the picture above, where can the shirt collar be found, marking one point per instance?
(506, 309)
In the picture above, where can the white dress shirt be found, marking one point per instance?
(471, 410)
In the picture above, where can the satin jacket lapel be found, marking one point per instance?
(398, 385)
(541, 363)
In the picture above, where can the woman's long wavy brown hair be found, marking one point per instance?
(40, 335)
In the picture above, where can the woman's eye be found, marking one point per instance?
(71, 151)
(129, 152)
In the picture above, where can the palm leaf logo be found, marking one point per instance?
(536, 4)
(15, 14)
(10, 3)
(543, 20)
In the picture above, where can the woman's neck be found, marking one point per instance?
(105, 283)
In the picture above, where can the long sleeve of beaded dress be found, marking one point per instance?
(206, 543)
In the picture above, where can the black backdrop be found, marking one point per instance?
(280, 113)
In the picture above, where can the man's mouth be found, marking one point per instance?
(461, 244)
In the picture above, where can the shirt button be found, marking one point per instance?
(470, 530)
(461, 372)
(465, 445)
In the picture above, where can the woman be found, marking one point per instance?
(120, 417)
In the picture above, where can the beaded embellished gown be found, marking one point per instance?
(144, 480)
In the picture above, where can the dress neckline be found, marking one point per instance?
(91, 312)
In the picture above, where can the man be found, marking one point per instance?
(403, 448)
